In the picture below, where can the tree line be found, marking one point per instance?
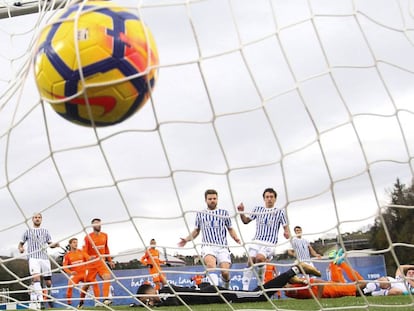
(393, 229)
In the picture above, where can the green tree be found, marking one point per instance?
(394, 227)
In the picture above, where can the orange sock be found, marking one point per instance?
(352, 274)
(105, 289)
(96, 290)
(336, 273)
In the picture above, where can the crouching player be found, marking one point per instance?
(74, 265)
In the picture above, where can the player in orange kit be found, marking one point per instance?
(96, 247)
(331, 289)
(197, 279)
(152, 260)
(74, 264)
(270, 273)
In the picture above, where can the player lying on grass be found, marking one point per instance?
(336, 288)
(401, 284)
(172, 295)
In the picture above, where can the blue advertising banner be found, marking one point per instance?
(128, 281)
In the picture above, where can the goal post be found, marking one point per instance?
(312, 98)
(18, 8)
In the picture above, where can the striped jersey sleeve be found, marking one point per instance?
(268, 222)
(37, 241)
(213, 225)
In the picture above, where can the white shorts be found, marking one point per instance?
(403, 284)
(258, 247)
(398, 283)
(222, 254)
(40, 266)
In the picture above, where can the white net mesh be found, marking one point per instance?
(313, 98)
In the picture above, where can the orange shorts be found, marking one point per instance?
(335, 291)
(330, 290)
(97, 268)
(303, 293)
(158, 277)
(77, 278)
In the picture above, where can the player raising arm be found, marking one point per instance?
(268, 221)
(213, 223)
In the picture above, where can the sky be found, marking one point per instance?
(313, 98)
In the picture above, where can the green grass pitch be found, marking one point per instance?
(394, 303)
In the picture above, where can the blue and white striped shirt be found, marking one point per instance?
(268, 222)
(213, 225)
(301, 247)
(38, 240)
(406, 283)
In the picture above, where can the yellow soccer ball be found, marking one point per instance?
(96, 64)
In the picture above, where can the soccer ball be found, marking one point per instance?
(96, 64)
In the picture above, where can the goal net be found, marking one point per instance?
(313, 98)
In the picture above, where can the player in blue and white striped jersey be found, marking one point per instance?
(401, 284)
(302, 249)
(213, 223)
(269, 219)
(37, 240)
(405, 274)
(409, 276)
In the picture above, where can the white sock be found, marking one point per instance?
(38, 291)
(381, 292)
(213, 278)
(33, 296)
(226, 283)
(369, 288)
(247, 276)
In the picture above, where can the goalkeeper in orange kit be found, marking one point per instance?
(336, 288)
(152, 260)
